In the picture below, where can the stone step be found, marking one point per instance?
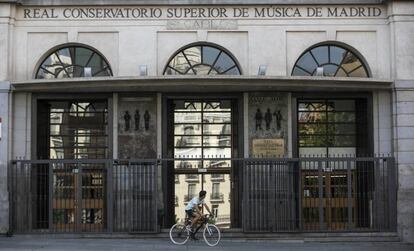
(236, 235)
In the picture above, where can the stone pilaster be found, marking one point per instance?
(7, 13)
(401, 17)
(4, 156)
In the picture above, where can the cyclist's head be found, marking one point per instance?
(202, 194)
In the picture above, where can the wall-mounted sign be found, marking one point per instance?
(201, 12)
(268, 147)
(202, 24)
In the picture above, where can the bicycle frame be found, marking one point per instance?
(203, 223)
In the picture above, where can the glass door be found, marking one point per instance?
(334, 200)
(79, 197)
(71, 130)
(203, 141)
(327, 128)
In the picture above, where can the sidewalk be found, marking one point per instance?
(40, 242)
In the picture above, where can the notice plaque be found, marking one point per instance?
(268, 147)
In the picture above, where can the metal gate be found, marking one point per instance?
(83, 196)
(319, 194)
(278, 195)
(135, 196)
(269, 196)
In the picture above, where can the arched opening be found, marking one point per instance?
(70, 61)
(331, 60)
(202, 59)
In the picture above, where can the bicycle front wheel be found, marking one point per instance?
(211, 235)
(179, 234)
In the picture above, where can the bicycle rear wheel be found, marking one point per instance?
(179, 234)
(211, 235)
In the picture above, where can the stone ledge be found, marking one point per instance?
(4, 86)
(238, 236)
(202, 84)
(187, 2)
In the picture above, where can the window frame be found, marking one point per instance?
(191, 68)
(55, 49)
(348, 49)
(361, 150)
(327, 124)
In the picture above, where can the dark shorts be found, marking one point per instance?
(189, 213)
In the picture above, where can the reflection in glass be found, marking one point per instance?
(217, 141)
(335, 61)
(321, 55)
(92, 216)
(223, 117)
(312, 106)
(77, 130)
(217, 163)
(337, 54)
(213, 141)
(217, 129)
(193, 55)
(182, 117)
(341, 117)
(187, 141)
(307, 63)
(187, 163)
(66, 190)
(69, 62)
(63, 216)
(217, 106)
(214, 152)
(218, 198)
(202, 60)
(210, 55)
(185, 129)
(188, 152)
(183, 106)
(309, 129)
(326, 125)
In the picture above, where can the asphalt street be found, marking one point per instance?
(26, 243)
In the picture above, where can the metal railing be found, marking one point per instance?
(83, 196)
(277, 194)
(319, 194)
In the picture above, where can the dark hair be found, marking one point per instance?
(202, 193)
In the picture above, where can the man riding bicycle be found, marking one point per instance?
(193, 211)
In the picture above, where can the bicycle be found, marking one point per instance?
(180, 233)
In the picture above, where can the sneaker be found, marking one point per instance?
(188, 227)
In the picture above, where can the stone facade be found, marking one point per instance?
(402, 51)
(29, 31)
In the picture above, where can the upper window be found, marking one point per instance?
(202, 60)
(330, 61)
(70, 62)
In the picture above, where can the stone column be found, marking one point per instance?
(4, 156)
(7, 12)
(401, 18)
